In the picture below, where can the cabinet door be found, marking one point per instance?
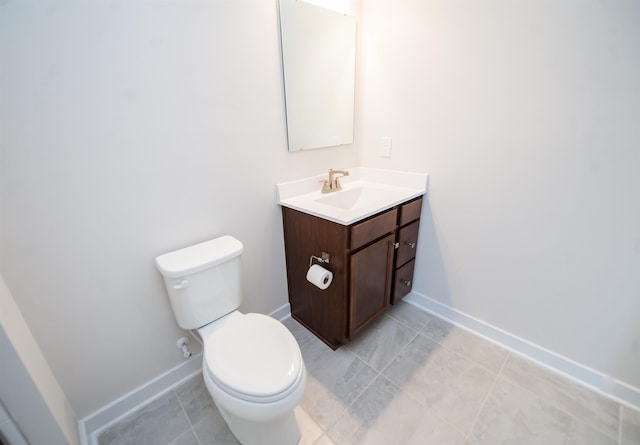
(370, 282)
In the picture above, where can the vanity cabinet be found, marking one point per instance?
(372, 264)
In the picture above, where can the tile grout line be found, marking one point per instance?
(562, 409)
(417, 332)
(396, 356)
(463, 354)
(378, 373)
(620, 419)
(325, 431)
(420, 332)
(184, 411)
(486, 398)
(405, 324)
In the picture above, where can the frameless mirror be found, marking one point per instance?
(319, 58)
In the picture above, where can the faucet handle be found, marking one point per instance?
(326, 186)
(334, 179)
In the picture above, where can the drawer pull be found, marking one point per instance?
(406, 283)
(396, 245)
(412, 245)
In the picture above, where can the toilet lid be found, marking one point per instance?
(253, 354)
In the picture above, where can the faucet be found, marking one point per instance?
(333, 183)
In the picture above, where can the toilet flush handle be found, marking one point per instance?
(181, 284)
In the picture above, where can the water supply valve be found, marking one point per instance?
(183, 345)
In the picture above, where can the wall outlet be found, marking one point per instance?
(385, 147)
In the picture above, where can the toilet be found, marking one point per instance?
(252, 365)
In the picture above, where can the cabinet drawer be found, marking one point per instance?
(403, 282)
(407, 243)
(410, 211)
(373, 228)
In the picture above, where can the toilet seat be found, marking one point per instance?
(253, 357)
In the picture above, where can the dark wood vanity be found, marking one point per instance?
(372, 262)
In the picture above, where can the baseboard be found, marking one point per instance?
(90, 426)
(597, 381)
(282, 312)
(94, 423)
(9, 430)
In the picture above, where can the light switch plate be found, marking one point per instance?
(385, 147)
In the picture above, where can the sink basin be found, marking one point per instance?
(363, 196)
(365, 192)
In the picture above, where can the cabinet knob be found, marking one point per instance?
(396, 245)
(406, 283)
(410, 244)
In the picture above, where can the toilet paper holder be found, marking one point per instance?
(323, 258)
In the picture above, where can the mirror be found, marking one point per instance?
(319, 58)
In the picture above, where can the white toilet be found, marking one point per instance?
(252, 364)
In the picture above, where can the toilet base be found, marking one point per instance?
(282, 430)
(260, 424)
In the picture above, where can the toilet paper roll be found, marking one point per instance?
(319, 276)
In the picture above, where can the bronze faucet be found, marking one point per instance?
(333, 183)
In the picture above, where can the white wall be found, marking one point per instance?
(526, 116)
(130, 129)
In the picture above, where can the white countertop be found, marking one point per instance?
(365, 192)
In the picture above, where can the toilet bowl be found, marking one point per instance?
(252, 365)
(254, 372)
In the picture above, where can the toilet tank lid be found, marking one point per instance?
(192, 259)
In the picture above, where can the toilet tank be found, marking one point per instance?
(203, 281)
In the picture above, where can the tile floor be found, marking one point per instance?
(409, 379)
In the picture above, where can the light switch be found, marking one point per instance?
(385, 147)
